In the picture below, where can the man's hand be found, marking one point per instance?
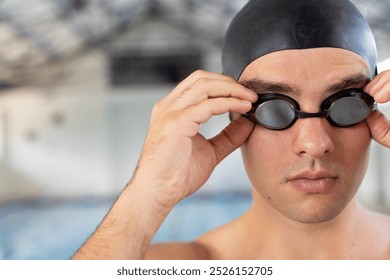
(176, 160)
(379, 126)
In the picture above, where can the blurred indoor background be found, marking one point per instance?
(78, 79)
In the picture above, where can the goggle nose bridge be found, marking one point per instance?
(304, 115)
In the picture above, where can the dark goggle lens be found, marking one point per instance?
(348, 111)
(275, 114)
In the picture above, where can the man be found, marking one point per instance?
(298, 84)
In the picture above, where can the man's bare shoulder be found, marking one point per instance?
(379, 234)
(178, 251)
(215, 244)
(380, 219)
(227, 242)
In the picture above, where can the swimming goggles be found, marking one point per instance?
(342, 109)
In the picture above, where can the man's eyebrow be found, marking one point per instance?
(356, 80)
(261, 86)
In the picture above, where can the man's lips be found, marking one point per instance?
(313, 182)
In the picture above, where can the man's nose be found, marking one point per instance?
(313, 136)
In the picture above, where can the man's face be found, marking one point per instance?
(310, 171)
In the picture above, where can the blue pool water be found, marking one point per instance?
(54, 229)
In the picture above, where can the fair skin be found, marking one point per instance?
(304, 178)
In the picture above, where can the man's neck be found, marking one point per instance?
(283, 238)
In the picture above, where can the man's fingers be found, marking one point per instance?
(200, 86)
(203, 111)
(188, 82)
(232, 137)
(376, 82)
(188, 121)
(379, 87)
(377, 122)
(204, 89)
(380, 128)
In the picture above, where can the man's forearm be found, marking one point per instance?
(127, 230)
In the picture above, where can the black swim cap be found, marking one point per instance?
(265, 26)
